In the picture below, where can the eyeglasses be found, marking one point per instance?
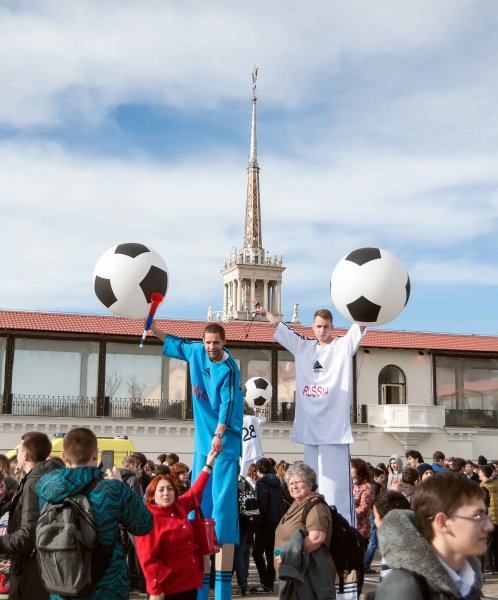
(296, 483)
(476, 518)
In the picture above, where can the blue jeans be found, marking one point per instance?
(241, 558)
(372, 544)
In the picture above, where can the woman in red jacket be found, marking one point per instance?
(171, 564)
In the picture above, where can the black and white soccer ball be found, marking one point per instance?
(370, 286)
(125, 277)
(258, 392)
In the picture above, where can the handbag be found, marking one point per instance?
(204, 532)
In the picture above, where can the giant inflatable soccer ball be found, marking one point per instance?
(258, 392)
(125, 277)
(370, 286)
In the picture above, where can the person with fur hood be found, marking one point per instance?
(432, 551)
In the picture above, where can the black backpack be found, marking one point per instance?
(249, 515)
(347, 545)
(69, 557)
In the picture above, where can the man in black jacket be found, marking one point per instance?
(19, 543)
(271, 508)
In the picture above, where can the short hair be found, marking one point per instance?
(487, 470)
(79, 444)
(130, 461)
(2, 477)
(162, 469)
(161, 457)
(172, 459)
(362, 470)
(151, 490)
(469, 462)
(410, 475)
(301, 469)
(457, 464)
(141, 458)
(263, 465)
(323, 313)
(387, 501)
(214, 328)
(438, 455)
(444, 492)
(150, 464)
(37, 445)
(414, 454)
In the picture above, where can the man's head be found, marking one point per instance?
(264, 466)
(449, 510)
(388, 501)
(80, 447)
(438, 457)
(468, 468)
(161, 458)
(410, 475)
(34, 448)
(323, 326)
(413, 458)
(213, 339)
(485, 472)
(172, 459)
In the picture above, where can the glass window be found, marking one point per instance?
(55, 368)
(141, 382)
(392, 385)
(467, 382)
(252, 363)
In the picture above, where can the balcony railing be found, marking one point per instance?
(116, 408)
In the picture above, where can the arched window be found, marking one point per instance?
(392, 385)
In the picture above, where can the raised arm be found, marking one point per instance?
(159, 333)
(261, 310)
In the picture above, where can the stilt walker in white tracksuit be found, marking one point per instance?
(322, 422)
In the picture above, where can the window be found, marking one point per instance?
(467, 382)
(392, 385)
(55, 368)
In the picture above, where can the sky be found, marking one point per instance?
(127, 121)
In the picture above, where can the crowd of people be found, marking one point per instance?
(416, 513)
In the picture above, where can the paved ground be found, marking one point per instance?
(490, 585)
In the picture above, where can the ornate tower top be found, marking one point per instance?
(252, 234)
(251, 274)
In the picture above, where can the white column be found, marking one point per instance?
(239, 294)
(266, 302)
(253, 292)
(279, 299)
(235, 295)
(225, 300)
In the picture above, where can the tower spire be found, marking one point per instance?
(252, 234)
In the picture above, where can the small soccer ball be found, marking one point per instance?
(258, 392)
(125, 277)
(370, 286)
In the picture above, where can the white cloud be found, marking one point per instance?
(62, 61)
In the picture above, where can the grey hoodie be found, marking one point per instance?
(390, 474)
(407, 552)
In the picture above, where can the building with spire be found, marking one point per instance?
(251, 273)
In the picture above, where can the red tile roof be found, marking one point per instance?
(11, 320)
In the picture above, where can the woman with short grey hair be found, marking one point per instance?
(301, 469)
(316, 521)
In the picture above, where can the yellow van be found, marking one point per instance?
(120, 445)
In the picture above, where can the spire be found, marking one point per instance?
(252, 235)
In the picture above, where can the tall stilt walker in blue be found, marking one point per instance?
(218, 413)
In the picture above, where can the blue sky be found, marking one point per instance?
(129, 121)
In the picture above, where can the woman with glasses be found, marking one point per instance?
(432, 550)
(302, 485)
